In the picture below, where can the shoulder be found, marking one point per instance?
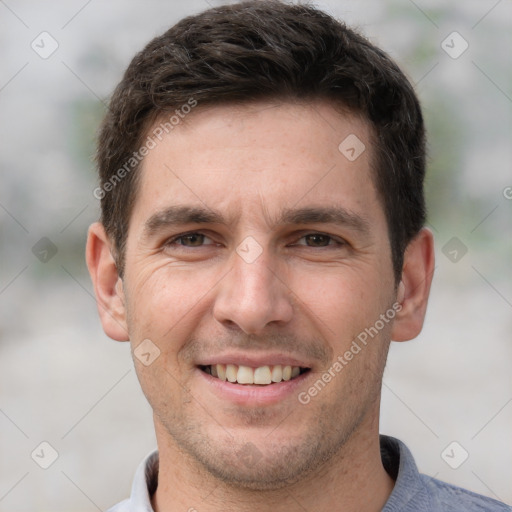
(415, 492)
(450, 498)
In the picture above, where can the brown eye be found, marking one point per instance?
(317, 240)
(191, 240)
(320, 240)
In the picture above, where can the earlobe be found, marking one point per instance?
(107, 283)
(414, 288)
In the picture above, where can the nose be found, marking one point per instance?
(253, 295)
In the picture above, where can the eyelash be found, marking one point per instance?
(337, 243)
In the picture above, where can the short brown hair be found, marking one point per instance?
(259, 50)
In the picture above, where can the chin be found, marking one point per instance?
(271, 469)
(259, 462)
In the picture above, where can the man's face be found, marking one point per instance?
(283, 260)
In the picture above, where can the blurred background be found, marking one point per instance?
(63, 383)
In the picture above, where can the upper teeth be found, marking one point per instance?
(247, 375)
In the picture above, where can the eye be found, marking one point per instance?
(319, 240)
(193, 239)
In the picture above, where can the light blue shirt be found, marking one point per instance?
(413, 492)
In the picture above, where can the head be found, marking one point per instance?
(261, 170)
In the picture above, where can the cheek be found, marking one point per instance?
(343, 300)
(164, 301)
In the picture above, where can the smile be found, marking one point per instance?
(262, 376)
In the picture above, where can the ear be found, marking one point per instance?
(108, 286)
(414, 288)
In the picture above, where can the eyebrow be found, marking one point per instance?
(181, 215)
(325, 215)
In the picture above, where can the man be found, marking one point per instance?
(260, 245)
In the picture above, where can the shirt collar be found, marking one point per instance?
(145, 483)
(399, 463)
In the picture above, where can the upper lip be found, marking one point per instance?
(255, 360)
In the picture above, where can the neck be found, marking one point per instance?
(352, 480)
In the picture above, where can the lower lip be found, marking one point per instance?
(253, 394)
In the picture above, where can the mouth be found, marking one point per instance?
(266, 375)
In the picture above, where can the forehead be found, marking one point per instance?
(259, 159)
